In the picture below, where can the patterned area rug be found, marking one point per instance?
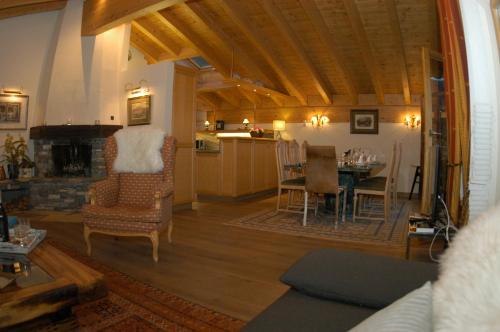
(323, 226)
(134, 306)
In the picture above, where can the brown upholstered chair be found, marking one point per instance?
(132, 204)
(322, 176)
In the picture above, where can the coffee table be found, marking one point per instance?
(62, 283)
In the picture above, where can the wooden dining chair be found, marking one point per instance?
(286, 181)
(322, 177)
(397, 149)
(375, 187)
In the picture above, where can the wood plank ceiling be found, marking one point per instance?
(297, 49)
(12, 8)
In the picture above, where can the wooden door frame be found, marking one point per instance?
(427, 156)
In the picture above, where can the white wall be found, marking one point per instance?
(484, 80)
(338, 134)
(80, 78)
(27, 42)
(160, 78)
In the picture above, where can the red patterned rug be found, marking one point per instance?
(135, 306)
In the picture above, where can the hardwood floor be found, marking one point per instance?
(229, 269)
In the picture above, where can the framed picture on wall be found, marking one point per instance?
(139, 110)
(13, 111)
(364, 122)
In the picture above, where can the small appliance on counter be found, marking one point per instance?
(200, 144)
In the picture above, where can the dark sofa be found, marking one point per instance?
(334, 290)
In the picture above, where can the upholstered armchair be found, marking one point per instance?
(132, 204)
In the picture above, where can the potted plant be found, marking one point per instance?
(257, 132)
(15, 155)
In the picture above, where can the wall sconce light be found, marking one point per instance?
(319, 120)
(12, 91)
(246, 123)
(278, 126)
(207, 124)
(412, 121)
(138, 91)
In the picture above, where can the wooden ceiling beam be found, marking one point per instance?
(364, 47)
(152, 32)
(184, 31)
(279, 20)
(25, 7)
(237, 13)
(99, 16)
(251, 96)
(138, 41)
(263, 91)
(399, 48)
(263, 71)
(250, 91)
(326, 37)
(228, 97)
(214, 86)
(210, 98)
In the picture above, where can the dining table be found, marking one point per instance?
(350, 174)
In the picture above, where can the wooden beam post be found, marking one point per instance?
(184, 31)
(99, 16)
(152, 32)
(399, 48)
(279, 20)
(260, 42)
(364, 45)
(321, 28)
(253, 65)
(13, 8)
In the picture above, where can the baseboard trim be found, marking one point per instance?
(214, 198)
(183, 206)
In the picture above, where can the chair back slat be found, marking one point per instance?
(282, 160)
(321, 172)
(392, 164)
(294, 152)
(303, 155)
(399, 153)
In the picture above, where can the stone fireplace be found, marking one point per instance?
(68, 158)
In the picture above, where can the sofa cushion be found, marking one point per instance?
(357, 278)
(295, 311)
(411, 313)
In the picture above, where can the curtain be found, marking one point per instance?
(457, 109)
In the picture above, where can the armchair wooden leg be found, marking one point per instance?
(170, 227)
(155, 241)
(86, 236)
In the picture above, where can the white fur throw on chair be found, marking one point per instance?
(139, 150)
(467, 294)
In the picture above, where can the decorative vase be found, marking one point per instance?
(13, 170)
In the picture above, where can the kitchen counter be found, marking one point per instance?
(242, 166)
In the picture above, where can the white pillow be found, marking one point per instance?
(411, 313)
(467, 293)
(139, 150)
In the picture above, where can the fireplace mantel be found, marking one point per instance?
(73, 131)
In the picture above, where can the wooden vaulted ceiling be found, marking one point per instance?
(298, 48)
(279, 50)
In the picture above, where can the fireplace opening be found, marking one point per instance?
(72, 160)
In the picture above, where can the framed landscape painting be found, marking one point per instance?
(13, 111)
(139, 110)
(364, 122)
